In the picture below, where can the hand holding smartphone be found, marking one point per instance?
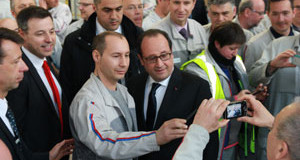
(296, 60)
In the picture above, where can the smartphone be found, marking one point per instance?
(235, 110)
(296, 60)
(257, 91)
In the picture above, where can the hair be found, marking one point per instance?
(152, 33)
(219, 2)
(271, 1)
(7, 34)
(244, 4)
(227, 33)
(29, 13)
(288, 130)
(99, 42)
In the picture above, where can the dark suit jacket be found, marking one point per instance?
(35, 114)
(15, 151)
(184, 94)
(199, 12)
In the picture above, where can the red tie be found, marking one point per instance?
(55, 93)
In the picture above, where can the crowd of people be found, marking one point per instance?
(149, 80)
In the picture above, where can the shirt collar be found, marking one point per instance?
(178, 27)
(277, 35)
(164, 82)
(36, 61)
(100, 29)
(3, 107)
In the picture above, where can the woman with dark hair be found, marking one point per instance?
(220, 65)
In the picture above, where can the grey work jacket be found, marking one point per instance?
(95, 121)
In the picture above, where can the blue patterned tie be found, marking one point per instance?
(12, 122)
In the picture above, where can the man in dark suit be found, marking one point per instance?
(38, 104)
(178, 94)
(76, 60)
(12, 69)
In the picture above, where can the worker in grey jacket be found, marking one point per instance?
(283, 78)
(187, 35)
(281, 16)
(102, 114)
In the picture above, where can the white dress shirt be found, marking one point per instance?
(38, 65)
(159, 94)
(3, 110)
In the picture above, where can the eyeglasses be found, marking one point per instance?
(135, 7)
(153, 59)
(83, 4)
(258, 12)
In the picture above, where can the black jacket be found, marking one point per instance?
(77, 62)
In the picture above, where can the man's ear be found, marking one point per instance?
(283, 150)
(141, 59)
(234, 11)
(247, 12)
(96, 56)
(21, 33)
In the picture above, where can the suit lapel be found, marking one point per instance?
(172, 91)
(10, 138)
(139, 97)
(38, 81)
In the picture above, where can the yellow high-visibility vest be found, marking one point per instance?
(217, 90)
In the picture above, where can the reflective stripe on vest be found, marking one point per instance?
(215, 87)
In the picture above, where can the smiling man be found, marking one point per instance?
(39, 105)
(187, 35)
